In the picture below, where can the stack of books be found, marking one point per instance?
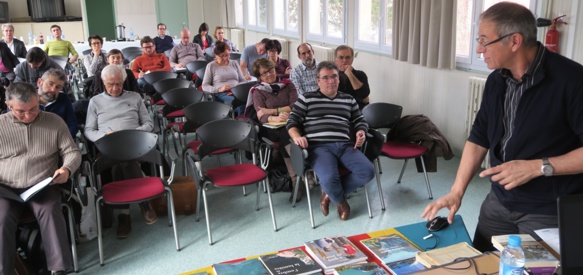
(539, 260)
(289, 262)
(360, 269)
(332, 252)
(395, 253)
(248, 267)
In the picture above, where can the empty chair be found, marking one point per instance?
(221, 134)
(241, 91)
(195, 65)
(385, 115)
(126, 146)
(154, 77)
(235, 56)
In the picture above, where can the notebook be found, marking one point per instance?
(570, 225)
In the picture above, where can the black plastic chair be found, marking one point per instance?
(200, 77)
(235, 56)
(221, 134)
(241, 91)
(195, 65)
(154, 77)
(131, 145)
(385, 115)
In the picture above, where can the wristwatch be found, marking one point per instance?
(547, 168)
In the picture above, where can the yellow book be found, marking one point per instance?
(274, 125)
(445, 255)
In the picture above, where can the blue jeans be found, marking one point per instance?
(141, 83)
(324, 159)
(224, 97)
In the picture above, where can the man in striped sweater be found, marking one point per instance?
(325, 119)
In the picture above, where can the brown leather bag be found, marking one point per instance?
(184, 195)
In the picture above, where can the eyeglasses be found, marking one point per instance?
(114, 84)
(344, 57)
(224, 55)
(162, 28)
(21, 113)
(269, 72)
(148, 47)
(327, 78)
(481, 42)
(272, 50)
(95, 43)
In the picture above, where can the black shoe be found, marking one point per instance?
(124, 226)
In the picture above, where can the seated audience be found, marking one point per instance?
(8, 61)
(352, 81)
(203, 39)
(60, 47)
(322, 122)
(282, 66)
(115, 57)
(16, 46)
(149, 61)
(95, 60)
(37, 63)
(221, 75)
(272, 100)
(220, 36)
(163, 42)
(116, 110)
(250, 54)
(185, 52)
(32, 144)
(53, 100)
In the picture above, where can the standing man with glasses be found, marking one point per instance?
(531, 123)
(322, 122)
(149, 61)
(352, 81)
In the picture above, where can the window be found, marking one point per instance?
(374, 25)
(257, 15)
(239, 18)
(468, 13)
(325, 22)
(286, 17)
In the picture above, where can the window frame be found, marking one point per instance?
(256, 27)
(378, 46)
(324, 38)
(286, 32)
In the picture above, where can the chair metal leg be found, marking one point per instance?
(367, 201)
(170, 201)
(206, 216)
(309, 199)
(198, 199)
(257, 197)
(296, 189)
(377, 168)
(270, 205)
(72, 235)
(426, 179)
(99, 230)
(402, 171)
(378, 160)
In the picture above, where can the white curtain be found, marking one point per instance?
(424, 32)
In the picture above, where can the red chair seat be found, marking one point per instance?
(160, 102)
(180, 125)
(402, 150)
(132, 190)
(235, 175)
(195, 143)
(177, 113)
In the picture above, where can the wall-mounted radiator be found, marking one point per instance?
(476, 91)
(285, 50)
(238, 38)
(323, 53)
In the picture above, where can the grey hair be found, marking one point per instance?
(512, 18)
(113, 70)
(326, 65)
(58, 73)
(7, 25)
(20, 91)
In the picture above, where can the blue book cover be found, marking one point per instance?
(249, 267)
(390, 248)
(361, 269)
(406, 266)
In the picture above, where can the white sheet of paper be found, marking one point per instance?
(551, 237)
(35, 188)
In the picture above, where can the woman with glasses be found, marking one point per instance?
(282, 66)
(220, 36)
(221, 75)
(95, 60)
(272, 99)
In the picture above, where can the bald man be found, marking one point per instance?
(185, 52)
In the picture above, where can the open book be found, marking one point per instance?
(274, 125)
(26, 195)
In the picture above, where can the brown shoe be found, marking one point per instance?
(148, 212)
(124, 226)
(325, 203)
(344, 210)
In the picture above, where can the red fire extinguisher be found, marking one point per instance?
(552, 39)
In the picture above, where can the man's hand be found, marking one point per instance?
(513, 173)
(288, 70)
(301, 141)
(61, 175)
(451, 200)
(179, 66)
(348, 70)
(141, 74)
(248, 77)
(283, 116)
(360, 138)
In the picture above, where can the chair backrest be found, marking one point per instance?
(182, 97)
(126, 145)
(125, 51)
(298, 157)
(164, 85)
(195, 65)
(200, 113)
(131, 55)
(60, 60)
(241, 91)
(381, 114)
(235, 56)
(209, 51)
(226, 133)
(154, 77)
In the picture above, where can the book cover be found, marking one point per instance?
(390, 248)
(290, 262)
(274, 125)
(360, 269)
(535, 253)
(249, 267)
(406, 266)
(446, 254)
(331, 252)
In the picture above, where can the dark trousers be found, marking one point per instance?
(495, 219)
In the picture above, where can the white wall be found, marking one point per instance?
(139, 15)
